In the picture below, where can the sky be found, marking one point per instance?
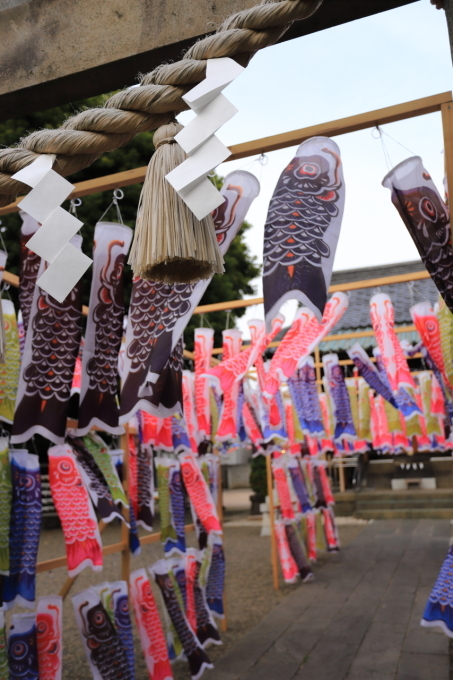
(379, 61)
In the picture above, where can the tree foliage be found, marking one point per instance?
(240, 266)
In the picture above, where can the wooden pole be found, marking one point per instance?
(318, 365)
(270, 494)
(341, 476)
(447, 128)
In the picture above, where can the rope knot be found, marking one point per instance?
(166, 134)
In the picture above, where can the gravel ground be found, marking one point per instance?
(249, 592)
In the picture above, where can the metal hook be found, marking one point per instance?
(118, 194)
(378, 130)
(74, 203)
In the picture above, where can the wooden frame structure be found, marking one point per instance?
(441, 102)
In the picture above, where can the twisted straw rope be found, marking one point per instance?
(87, 135)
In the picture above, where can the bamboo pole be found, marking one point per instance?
(270, 494)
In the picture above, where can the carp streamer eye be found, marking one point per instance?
(20, 649)
(309, 169)
(99, 618)
(428, 209)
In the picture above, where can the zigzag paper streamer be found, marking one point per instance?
(198, 140)
(52, 240)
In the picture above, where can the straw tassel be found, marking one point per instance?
(170, 244)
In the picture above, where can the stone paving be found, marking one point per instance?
(360, 618)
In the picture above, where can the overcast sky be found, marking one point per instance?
(386, 59)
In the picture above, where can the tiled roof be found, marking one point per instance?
(403, 295)
(357, 316)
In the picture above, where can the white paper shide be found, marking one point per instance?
(67, 264)
(198, 138)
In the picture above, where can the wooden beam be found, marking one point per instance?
(13, 280)
(58, 562)
(338, 336)
(344, 287)
(447, 128)
(342, 126)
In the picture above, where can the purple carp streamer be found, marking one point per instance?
(368, 371)
(215, 585)
(23, 648)
(296, 546)
(119, 601)
(160, 312)
(427, 220)
(299, 485)
(51, 349)
(99, 386)
(304, 394)
(439, 608)
(26, 510)
(336, 387)
(302, 228)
